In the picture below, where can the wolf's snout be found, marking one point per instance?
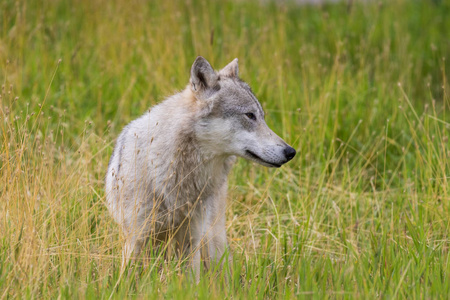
(289, 153)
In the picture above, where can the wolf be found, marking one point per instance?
(167, 177)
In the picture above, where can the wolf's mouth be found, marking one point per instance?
(256, 157)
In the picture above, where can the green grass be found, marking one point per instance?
(360, 90)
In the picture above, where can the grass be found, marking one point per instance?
(360, 89)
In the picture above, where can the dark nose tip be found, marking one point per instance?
(289, 152)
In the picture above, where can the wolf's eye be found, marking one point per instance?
(251, 116)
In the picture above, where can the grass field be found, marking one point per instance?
(360, 90)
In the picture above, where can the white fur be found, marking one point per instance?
(167, 177)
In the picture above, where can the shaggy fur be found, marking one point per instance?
(167, 177)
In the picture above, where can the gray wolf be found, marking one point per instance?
(167, 177)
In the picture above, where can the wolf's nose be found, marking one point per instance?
(289, 152)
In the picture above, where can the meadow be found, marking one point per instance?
(359, 89)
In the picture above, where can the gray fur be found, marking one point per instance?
(167, 177)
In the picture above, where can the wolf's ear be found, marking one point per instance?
(230, 70)
(203, 75)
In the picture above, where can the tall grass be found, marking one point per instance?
(360, 89)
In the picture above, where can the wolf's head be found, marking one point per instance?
(231, 120)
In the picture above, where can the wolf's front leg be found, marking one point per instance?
(214, 238)
(207, 240)
(189, 244)
(215, 244)
(131, 251)
(217, 235)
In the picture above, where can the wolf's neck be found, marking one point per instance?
(187, 155)
(187, 168)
